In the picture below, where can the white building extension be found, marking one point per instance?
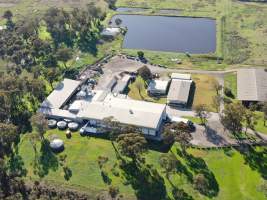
(157, 87)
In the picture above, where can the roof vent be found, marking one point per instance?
(131, 111)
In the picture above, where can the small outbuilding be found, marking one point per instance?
(181, 76)
(157, 87)
(110, 32)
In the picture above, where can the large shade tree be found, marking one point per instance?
(132, 145)
(233, 116)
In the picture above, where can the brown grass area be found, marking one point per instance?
(204, 90)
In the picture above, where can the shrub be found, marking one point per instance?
(228, 92)
(140, 54)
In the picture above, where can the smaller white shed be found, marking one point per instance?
(110, 32)
(157, 87)
(181, 76)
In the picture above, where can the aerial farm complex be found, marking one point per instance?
(80, 102)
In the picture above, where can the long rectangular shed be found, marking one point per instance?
(145, 115)
(252, 85)
(179, 92)
(61, 94)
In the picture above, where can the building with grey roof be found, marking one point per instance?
(179, 92)
(122, 84)
(61, 94)
(252, 85)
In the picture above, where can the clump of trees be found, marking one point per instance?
(132, 145)
(203, 113)
(235, 117)
(145, 73)
(177, 132)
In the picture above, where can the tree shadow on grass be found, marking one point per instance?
(47, 160)
(147, 183)
(198, 166)
(255, 158)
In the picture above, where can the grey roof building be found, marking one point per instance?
(61, 94)
(179, 91)
(252, 85)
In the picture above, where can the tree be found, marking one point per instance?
(64, 54)
(250, 119)
(178, 132)
(102, 160)
(51, 75)
(140, 54)
(202, 112)
(118, 21)
(39, 124)
(169, 163)
(216, 102)
(111, 4)
(233, 116)
(113, 191)
(217, 87)
(8, 15)
(145, 73)
(201, 184)
(9, 23)
(264, 110)
(132, 145)
(8, 136)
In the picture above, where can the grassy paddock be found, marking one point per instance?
(204, 92)
(230, 81)
(236, 178)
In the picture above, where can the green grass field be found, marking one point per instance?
(236, 178)
(260, 124)
(230, 81)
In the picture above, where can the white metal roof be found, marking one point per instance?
(179, 91)
(61, 93)
(110, 31)
(158, 85)
(252, 84)
(58, 113)
(126, 111)
(181, 76)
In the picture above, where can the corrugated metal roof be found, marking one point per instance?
(252, 85)
(126, 111)
(158, 85)
(179, 91)
(61, 93)
(181, 76)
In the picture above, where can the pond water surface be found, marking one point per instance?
(174, 34)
